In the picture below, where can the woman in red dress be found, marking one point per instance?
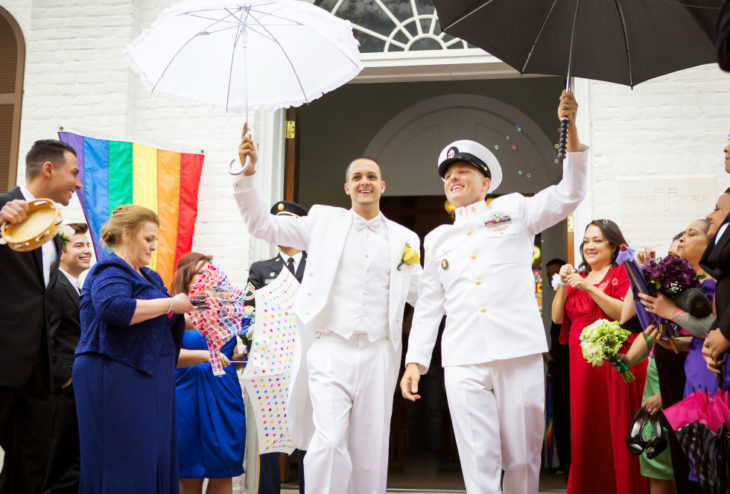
(602, 405)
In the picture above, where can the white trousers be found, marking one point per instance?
(351, 385)
(497, 410)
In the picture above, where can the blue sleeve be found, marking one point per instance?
(111, 296)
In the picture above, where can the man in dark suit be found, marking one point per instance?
(716, 262)
(65, 462)
(25, 354)
(260, 274)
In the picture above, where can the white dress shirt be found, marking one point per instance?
(359, 301)
(48, 249)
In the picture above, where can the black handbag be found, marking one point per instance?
(694, 301)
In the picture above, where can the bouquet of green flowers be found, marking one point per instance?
(601, 342)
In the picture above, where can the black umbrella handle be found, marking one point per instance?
(563, 139)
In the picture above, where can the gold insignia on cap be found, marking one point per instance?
(280, 207)
(444, 264)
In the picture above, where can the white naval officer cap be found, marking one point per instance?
(474, 154)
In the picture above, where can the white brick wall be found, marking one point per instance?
(677, 124)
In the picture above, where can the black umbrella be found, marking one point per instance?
(708, 453)
(621, 41)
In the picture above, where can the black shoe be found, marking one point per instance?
(634, 440)
(658, 443)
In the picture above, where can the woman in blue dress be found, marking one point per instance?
(123, 374)
(211, 424)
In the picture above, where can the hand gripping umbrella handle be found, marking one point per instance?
(563, 139)
(235, 168)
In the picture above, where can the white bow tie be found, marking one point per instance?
(361, 223)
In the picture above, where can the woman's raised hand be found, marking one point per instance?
(565, 271)
(181, 304)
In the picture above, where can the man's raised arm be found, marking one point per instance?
(278, 230)
(555, 203)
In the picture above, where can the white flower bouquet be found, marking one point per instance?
(601, 342)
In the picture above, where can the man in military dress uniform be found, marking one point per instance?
(478, 272)
(260, 274)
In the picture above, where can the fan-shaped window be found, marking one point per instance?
(394, 25)
(12, 62)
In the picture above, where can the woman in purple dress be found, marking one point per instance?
(691, 246)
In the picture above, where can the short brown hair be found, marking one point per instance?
(78, 228)
(347, 168)
(186, 269)
(126, 218)
(42, 151)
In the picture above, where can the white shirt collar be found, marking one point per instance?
(475, 210)
(720, 232)
(26, 193)
(297, 257)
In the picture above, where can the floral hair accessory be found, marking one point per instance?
(410, 257)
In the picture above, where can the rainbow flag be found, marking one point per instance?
(120, 172)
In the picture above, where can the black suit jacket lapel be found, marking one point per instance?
(710, 261)
(73, 295)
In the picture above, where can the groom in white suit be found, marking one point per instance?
(351, 301)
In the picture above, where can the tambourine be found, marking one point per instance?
(40, 226)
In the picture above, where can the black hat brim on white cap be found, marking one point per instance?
(474, 154)
(465, 158)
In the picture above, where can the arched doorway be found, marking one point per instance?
(416, 135)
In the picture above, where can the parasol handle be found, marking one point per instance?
(235, 167)
(563, 138)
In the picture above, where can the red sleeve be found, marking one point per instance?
(618, 285)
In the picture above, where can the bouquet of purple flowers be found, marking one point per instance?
(670, 275)
(676, 279)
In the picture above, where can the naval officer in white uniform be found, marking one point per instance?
(478, 273)
(351, 300)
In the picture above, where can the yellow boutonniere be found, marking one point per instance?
(409, 257)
